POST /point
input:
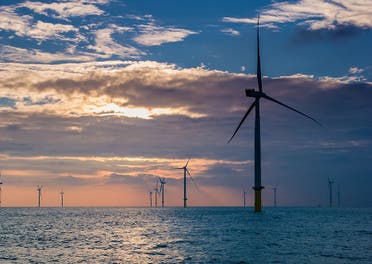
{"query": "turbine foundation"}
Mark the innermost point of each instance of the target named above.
(257, 199)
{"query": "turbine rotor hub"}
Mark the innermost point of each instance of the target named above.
(254, 93)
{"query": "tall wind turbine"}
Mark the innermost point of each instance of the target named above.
(162, 183)
(258, 95)
(39, 187)
(1, 183)
(338, 196)
(62, 194)
(330, 183)
(185, 171)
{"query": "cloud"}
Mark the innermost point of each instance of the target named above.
(23, 25)
(67, 41)
(355, 70)
(152, 35)
(65, 9)
(50, 132)
(107, 47)
(43, 30)
(338, 33)
(14, 54)
(230, 31)
(316, 15)
(124, 88)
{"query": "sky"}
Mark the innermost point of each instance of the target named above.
(102, 97)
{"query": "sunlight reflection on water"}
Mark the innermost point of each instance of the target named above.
(194, 235)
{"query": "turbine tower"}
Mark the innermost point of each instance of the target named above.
(244, 198)
(39, 187)
(185, 171)
(338, 196)
(62, 194)
(274, 189)
(162, 183)
(1, 183)
(150, 196)
(330, 183)
(258, 95)
(156, 189)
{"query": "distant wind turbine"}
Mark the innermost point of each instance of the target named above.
(162, 183)
(274, 189)
(338, 196)
(39, 187)
(150, 194)
(1, 183)
(330, 183)
(257, 95)
(156, 189)
(244, 198)
(185, 171)
(62, 196)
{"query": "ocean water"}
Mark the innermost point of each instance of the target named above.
(191, 235)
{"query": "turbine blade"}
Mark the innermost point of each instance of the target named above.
(259, 75)
(241, 122)
(187, 163)
(291, 108)
(192, 179)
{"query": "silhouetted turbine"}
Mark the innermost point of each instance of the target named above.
(257, 95)
(162, 182)
(330, 183)
(274, 189)
(150, 197)
(185, 171)
(62, 197)
(156, 189)
(39, 187)
(244, 198)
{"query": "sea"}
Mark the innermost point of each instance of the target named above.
(186, 235)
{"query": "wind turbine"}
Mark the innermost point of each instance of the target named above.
(150, 194)
(258, 95)
(162, 183)
(244, 198)
(185, 171)
(274, 189)
(156, 189)
(39, 187)
(330, 183)
(338, 196)
(1, 183)
(62, 194)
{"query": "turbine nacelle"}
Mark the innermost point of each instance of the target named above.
(254, 93)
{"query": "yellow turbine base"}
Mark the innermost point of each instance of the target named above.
(257, 201)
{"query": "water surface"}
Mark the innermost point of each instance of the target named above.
(191, 235)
